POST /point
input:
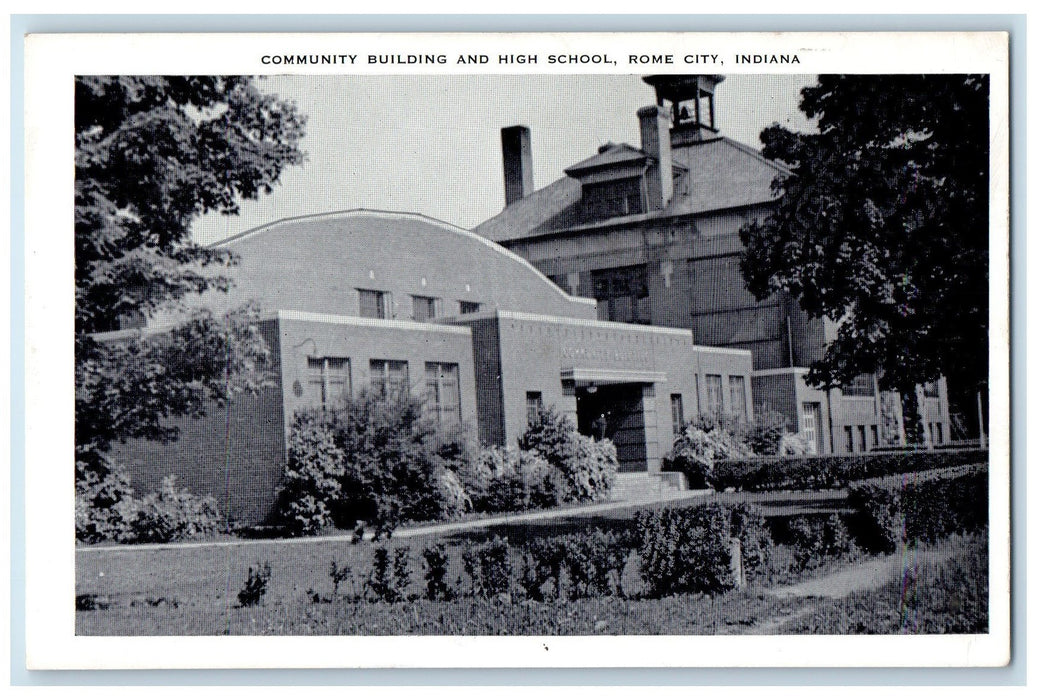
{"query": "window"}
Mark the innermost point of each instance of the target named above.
(875, 435)
(931, 390)
(443, 394)
(562, 282)
(848, 429)
(327, 378)
(736, 389)
(939, 433)
(603, 200)
(714, 395)
(862, 385)
(677, 411)
(534, 406)
(469, 307)
(375, 304)
(809, 425)
(862, 433)
(424, 308)
(622, 294)
(389, 377)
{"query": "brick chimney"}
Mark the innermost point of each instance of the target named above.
(655, 141)
(518, 163)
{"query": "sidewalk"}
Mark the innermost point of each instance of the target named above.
(425, 530)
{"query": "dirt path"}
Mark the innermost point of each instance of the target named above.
(865, 576)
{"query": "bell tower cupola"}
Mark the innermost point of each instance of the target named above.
(689, 101)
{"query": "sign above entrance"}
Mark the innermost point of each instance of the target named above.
(582, 375)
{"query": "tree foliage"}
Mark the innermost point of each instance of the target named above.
(883, 226)
(152, 154)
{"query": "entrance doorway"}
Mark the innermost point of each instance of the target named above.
(615, 412)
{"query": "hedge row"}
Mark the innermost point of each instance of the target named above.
(832, 471)
(887, 515)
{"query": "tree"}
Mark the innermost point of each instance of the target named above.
(152, 154)
(882, 226)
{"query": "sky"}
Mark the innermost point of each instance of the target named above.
(431, 144)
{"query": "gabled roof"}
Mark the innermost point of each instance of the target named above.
(721, 174)
(609, 155)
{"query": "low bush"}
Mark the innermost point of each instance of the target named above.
(754, 536)
(489, 568)
(923, 510)
(255, 585)
(436, 565)
(817, 540)
(698, 447)
(832, 471)
(503, 479)
(105, 506)
(765, 434)
(586, 468)
(685, 550)
(390, 575)
(173, 514)
(578, 565)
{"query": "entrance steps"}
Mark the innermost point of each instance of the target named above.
(647, 486)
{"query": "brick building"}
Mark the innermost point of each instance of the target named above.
(651, 232)
(363, 298)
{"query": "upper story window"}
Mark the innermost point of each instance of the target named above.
(604, 200)
(375, 304)
(424, 308)
(862, 385)
(328, 379)
(469, 307)
(622, 294)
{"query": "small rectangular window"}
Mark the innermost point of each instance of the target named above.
(862, 434)
(328, 381)
(534, 406)
(714, 395)
(389, 378)
(875, 435)
(375, 304)
(739, 402)
(939, 433)
(424, 308)
(862, 385)
(848, 430)
(677, 411)
(469, 307)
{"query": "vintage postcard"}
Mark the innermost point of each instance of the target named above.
(517, 350)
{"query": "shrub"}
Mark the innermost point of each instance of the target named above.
(685, 550)
(489, 568)
(173, 514)
(698, 447)
(436, 587)
(390, 574)
(376, 460)
(764, 435)
(312, 478)
(586, 468)
(339, 575)
(817, 540)
(255, 585)
(505, 479)
(795, 445)
(105, 507)
(832, 471)
(925, 510)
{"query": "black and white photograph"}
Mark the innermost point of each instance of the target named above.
(569, 342)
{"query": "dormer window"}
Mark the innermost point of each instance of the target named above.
(604, 200)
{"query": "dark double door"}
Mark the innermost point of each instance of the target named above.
(616, 412)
